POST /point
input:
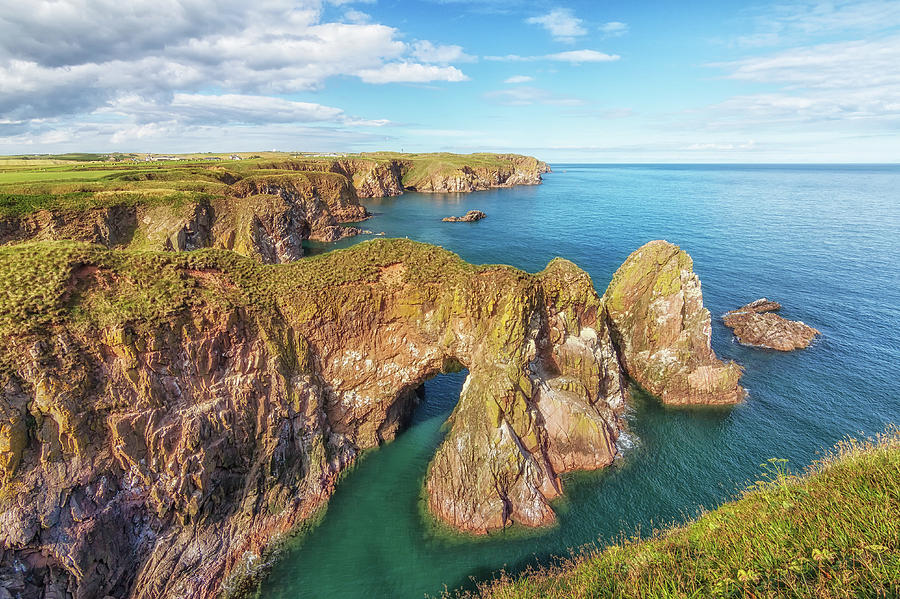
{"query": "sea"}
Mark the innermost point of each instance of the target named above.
(823, 240)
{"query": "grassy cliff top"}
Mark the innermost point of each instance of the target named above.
(47, 283)
(831, 532)
(76, 182)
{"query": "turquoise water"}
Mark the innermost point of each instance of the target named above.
(822, 240)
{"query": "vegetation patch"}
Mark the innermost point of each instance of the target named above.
(832, 531)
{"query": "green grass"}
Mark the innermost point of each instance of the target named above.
(832, 532)
(81, 182)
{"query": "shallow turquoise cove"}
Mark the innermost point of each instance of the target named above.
(822, 240)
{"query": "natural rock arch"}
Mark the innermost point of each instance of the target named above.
(166, 416)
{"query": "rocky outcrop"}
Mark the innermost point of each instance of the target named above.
(663, 332)
(470, 217)
(265, 216)
(391, 174)
(757, 324)
(166, 417)
(503, 170)
(265, 211)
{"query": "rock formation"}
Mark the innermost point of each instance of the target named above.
(167, 417)
(265, 211)
(470, 217)
(663, 332)
(757, 324)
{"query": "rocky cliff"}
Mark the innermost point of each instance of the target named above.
(165, 417)
(662, 330)
(389, 174)
(266, 215)
(260, 209)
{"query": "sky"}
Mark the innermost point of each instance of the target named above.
(580, 81)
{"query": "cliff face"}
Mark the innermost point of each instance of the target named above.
(164, 417)
(265, 215)
(264, 211)
(392, 174)
(663, 332)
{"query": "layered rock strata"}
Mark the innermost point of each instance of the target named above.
(165, 417)
(757, 324)
(663, 332)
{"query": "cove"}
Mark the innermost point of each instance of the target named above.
(822, 240)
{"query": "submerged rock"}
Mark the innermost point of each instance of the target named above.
(757, 324)
(663, 332)
(470, 217)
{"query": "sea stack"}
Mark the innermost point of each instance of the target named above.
(663, 332)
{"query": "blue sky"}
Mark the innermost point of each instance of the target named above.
(598, 81)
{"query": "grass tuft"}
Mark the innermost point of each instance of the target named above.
(830, 532)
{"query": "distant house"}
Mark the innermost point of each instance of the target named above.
(212, 158)
(236, 157)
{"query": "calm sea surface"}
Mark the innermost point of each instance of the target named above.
(822, 240)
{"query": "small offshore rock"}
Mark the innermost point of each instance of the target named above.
(470, 217)
(757, 324)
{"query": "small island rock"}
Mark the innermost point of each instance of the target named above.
(757, 324)
(470, 217)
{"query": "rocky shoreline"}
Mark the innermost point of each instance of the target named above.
(264, 211)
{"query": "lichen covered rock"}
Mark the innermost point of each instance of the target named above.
(757, 324)
(663, 332)
(166, 416)
(469, 217)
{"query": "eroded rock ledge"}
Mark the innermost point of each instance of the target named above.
(165, 417)
(757, 324)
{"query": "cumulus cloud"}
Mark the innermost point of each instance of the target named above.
(75, 58)
(561, 23)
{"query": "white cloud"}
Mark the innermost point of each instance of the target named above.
(411, 72)
(356, 16)
(579, 56)
(426, 51)
(614, 29)
(74, 59)
(526, 96)
(519, 79)
(801, 21)
(572, 56)
(562, 24)
(844, 81)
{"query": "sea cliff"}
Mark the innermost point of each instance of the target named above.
(260, 208)
(165, 417)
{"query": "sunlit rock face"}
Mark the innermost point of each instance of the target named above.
(165, 417)
(663, 332)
